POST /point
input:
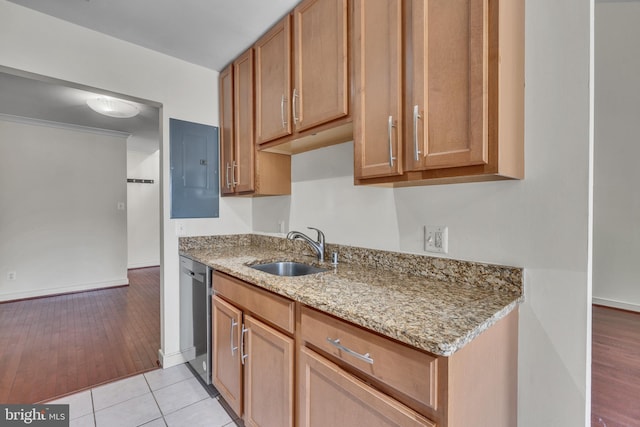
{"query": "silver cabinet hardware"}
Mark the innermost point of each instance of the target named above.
(416, 116)
(233, 173)
(390, 127)
(242, 353)
(227, 175)
(282, 112)
(295, 106)
(233, 325)
(364, 357)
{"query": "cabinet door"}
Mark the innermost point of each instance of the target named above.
(226, 130)
(243, 122)
(377, 52)
(268, 376)
(321, 88)
(447, 91)
(227, 366)
(273, 82)
(329, 396)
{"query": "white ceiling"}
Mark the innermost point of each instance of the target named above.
(209, 33)
(25, 97)
(204, 32)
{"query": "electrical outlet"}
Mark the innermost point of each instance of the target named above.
(436, 238)
(11, 275)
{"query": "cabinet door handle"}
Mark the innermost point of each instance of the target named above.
(227, 175)
(233, 173)
(390, 127)
(295, 106)
(282, 112)
(233, 348)
(364, 357)
(416, 116)
(242, 353)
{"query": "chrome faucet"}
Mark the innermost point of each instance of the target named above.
(318, 246)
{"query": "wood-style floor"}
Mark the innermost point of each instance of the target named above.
(615, 377)
(56, 345)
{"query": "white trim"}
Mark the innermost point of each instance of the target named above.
(616, 304)
(145, 264)
(59, 125)
(64, 290)
(173, 359)
(591, 171)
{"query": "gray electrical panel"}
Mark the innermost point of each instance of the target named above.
(195, 190)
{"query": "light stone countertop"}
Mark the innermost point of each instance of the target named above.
(431, 314)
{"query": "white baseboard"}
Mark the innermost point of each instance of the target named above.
(172, 359)
(144, 264)
(64, 290)
(616, 304)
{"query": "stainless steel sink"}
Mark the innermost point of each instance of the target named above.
(288, 268)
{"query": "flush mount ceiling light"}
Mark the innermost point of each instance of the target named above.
(113, 107)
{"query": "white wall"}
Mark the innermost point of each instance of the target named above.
(60, 229)
(143, 202)
(616, 240)
(541, 223)
(37, 43)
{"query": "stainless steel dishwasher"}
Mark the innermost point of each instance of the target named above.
(195, 316)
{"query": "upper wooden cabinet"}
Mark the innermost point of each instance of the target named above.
(237, 160)
(273, 83)
(243, 166)
(378, 59)
(321, 87)
(447, 83)
(462, 91)
(227, 140)
(303, 79)
(244, 170)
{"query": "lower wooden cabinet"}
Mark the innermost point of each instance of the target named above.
(227, 364)
(329, 396)
(268, 376)
(254, 362)
(282, 364)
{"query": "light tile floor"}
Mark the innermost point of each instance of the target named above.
(170, 397)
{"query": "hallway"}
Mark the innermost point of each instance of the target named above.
(56, 345)
(615, 389)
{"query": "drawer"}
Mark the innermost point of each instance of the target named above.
(273, 308)
(411, 372)
(329, 396)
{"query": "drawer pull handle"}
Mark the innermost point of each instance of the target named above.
(390, 127)
(233, 348)
(364, 357)
(227, 176)
(294, 107)
(282, 115)
(242, 353)
(416, 116)
(233, 173)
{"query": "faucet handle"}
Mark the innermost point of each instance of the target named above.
(320, 237)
